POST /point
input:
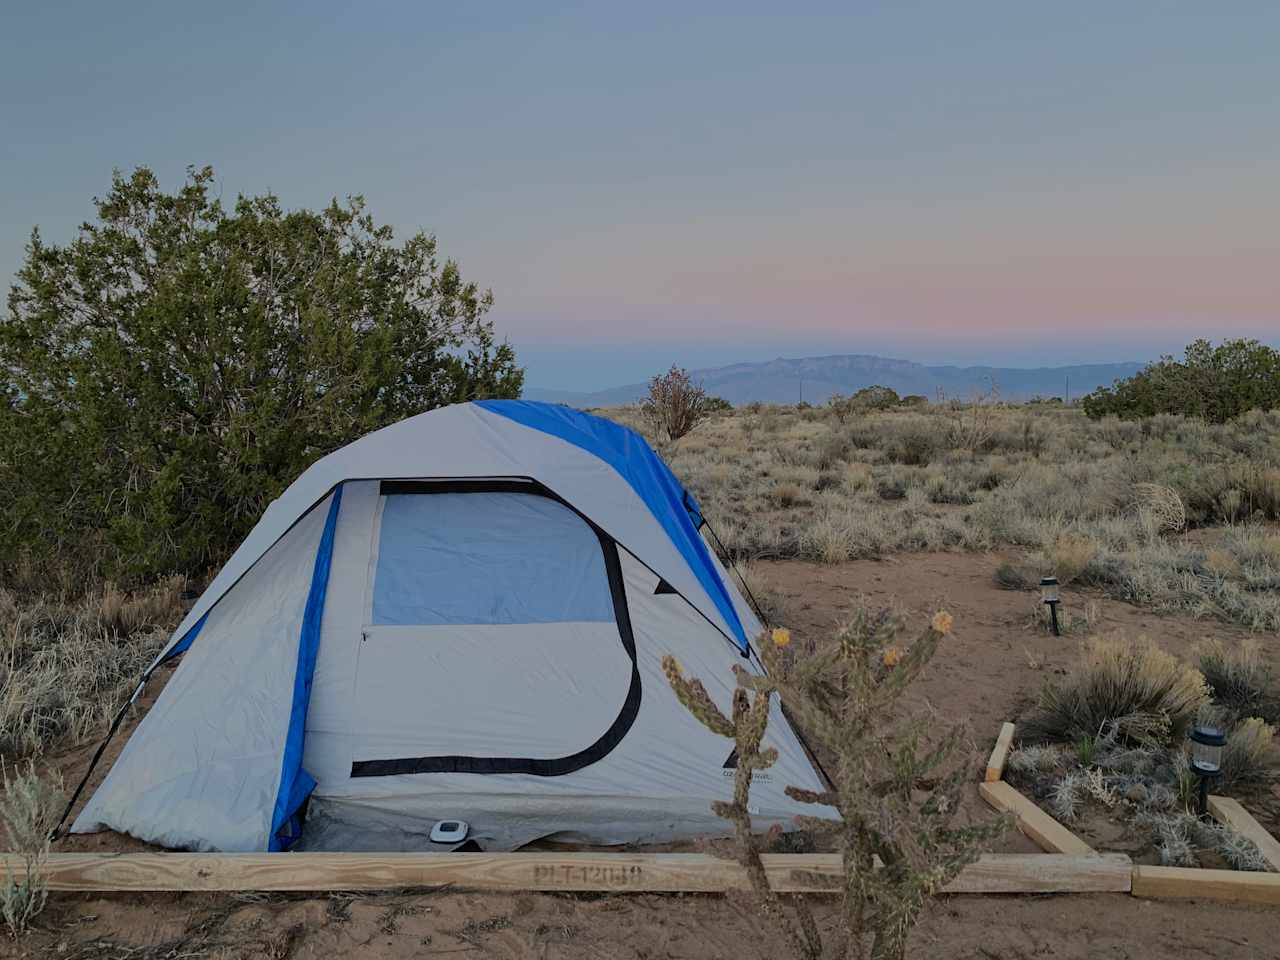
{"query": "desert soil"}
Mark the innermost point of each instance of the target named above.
(989, 671)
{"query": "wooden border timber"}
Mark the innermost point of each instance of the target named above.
(995, 766)
(1194, 883)
(1228, 811)
(598, 872)
(1047, 833)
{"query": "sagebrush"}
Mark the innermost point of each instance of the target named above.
(1146, 693)
(29, 808)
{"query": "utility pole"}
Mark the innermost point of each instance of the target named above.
(1068, 397)
(802, 390)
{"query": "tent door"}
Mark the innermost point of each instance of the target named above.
(498, 639)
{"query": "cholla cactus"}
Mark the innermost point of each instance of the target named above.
(896, 791)
(746, 729)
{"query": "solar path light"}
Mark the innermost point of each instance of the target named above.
(1049, 596)
(1207, 742)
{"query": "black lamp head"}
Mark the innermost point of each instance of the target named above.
(1207, 742)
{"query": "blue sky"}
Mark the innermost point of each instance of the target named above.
(642, 183)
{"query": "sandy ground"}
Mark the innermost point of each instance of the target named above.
(989, 671)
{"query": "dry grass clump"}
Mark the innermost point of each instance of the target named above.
(1147, 693)
(66, 666)
(1254, 548)
(1221, 563)
(1010, 576)
(832, 539)
(1071, 554)
(785, 494)
(1248, 757)
(29, 809)
(122, 614)
(1160, 508)
(1241, 680)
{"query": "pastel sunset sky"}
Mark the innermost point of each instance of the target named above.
(642, 183)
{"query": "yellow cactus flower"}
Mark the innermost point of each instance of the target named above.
(942, 622)
(891, 656)
(781, 636)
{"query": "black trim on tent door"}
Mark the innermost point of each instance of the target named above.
(394, 488)
(538, 767)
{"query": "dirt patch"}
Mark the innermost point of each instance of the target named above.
(643, 927)
(988, 670)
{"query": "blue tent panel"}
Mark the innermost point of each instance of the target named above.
(652, 480)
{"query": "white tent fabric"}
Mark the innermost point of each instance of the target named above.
(459, 616)
(202, 772)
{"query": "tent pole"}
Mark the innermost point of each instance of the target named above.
(733, 565)
(57, 831)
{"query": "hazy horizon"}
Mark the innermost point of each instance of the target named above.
(1009, 186)
(651, 361)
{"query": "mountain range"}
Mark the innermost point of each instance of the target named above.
(815, 379)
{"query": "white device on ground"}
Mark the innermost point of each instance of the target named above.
(449, 831)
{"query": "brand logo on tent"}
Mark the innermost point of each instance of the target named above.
(731, 765)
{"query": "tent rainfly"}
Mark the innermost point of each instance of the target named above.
(460, 616)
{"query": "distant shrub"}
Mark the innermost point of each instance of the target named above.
(841, 407)
(914, 400)
(1148, 693)
(875, 398)
(675, 404)
(915, 446)
(1216, 384)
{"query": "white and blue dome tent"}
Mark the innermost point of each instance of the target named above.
(459, 616)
